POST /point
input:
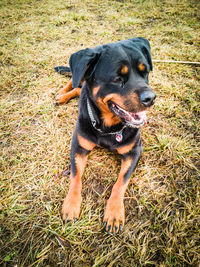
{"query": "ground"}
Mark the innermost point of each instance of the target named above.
(162, 202)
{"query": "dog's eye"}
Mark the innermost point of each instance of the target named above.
(118, 80)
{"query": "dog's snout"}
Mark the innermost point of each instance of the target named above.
(147, 98)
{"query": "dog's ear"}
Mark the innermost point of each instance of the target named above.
(80, 63)
(143, 45)
(146, 50)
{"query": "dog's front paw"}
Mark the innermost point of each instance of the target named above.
(114, 216)
(71, 207)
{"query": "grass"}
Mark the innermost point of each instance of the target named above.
(162, 202)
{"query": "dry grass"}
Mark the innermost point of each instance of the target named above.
(162, 202)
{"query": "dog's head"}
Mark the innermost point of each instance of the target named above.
(117, 75)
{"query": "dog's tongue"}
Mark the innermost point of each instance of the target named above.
(139, 117)
(133, 119)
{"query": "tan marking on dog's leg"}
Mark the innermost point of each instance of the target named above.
(85, 143)
(115, 212)
(67, 88)
(125, 149)
(64, 98)
(72, 202)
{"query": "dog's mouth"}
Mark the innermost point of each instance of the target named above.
(134, 120)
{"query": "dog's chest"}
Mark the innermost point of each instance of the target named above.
(108, 142)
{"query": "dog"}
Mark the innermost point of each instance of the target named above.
(112, 81)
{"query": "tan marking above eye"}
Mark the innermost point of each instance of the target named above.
(141, 67)
(124, 70)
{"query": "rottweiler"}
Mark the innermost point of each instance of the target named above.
(112, 81)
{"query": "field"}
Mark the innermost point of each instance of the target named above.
(162, 202)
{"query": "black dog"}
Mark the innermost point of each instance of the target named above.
(113, 100)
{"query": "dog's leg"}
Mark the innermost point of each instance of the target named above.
(81, 147)
(64, 98)
(115, 213)
(61, 95)
(66, 89)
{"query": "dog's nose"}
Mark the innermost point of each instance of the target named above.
(147, 98)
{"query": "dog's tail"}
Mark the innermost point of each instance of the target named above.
(64, 71)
